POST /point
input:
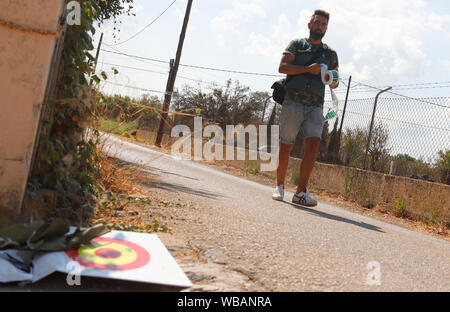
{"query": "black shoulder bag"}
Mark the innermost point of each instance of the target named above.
(279, 91)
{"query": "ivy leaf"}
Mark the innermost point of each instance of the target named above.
(104, 76)
(96, 79)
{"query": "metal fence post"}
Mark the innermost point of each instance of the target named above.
(371, 124)
(342, 120)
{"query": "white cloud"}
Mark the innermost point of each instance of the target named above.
(436, 22)
(269, 46)
(179, 14)
(384, 36)
(375, 40)
(447, 65)
(220, 39)
(230, 20)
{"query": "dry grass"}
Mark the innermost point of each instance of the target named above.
(387, 214)
(117, 179)
(124, 202)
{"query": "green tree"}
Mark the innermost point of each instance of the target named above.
(443, 166)
(378, 149)
(232, 105)
(112, 9)
(333, 144)
(354, 142)
(323, 149)
(408, 166)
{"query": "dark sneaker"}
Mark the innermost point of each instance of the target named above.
(304, 199)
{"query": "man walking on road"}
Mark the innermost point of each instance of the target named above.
(303, 104)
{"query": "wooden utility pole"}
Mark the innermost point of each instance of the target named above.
(264, 110)
(172, 76)
(96, 56)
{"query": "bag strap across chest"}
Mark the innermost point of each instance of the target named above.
(315, 56)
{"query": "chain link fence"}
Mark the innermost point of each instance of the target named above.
(407, 136)
(408, 133)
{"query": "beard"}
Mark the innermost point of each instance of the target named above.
(316, 35)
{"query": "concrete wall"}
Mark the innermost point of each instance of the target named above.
(420, 198)
(28, 32)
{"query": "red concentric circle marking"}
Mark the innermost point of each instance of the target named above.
(112, 254)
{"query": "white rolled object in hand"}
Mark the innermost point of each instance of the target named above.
(329, 77)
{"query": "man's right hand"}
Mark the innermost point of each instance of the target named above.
(315, 69)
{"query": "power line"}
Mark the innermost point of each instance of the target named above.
(268, 75)
(359, 84)
(143, 59)
(405, 96)
(212, 83)
(139, 69)
(397, 89)
(151, 23)
(133, 87)
(195, 66)
(166, 73)
(421, 88)
(422, 84)
(394, 120)
(232, 71)
(134, 56)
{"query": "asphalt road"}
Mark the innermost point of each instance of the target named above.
(290, 248)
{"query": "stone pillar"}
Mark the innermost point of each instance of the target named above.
(28, 33)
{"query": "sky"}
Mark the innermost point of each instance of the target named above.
(379, 43)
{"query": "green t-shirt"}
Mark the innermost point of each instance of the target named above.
(304, 50)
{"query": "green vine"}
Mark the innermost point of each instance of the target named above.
(67, 162)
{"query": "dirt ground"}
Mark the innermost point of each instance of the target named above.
(140, 207)
(145, 208)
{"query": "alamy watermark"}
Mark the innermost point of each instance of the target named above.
(214, 148)
(74, 276)
(74, 13)
(374, 275)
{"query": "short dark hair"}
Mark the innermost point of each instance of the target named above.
(321, 13)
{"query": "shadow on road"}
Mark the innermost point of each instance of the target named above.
(161, 171)
(336, 218)
(183, 189)
(149, 169)
(156, 172)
